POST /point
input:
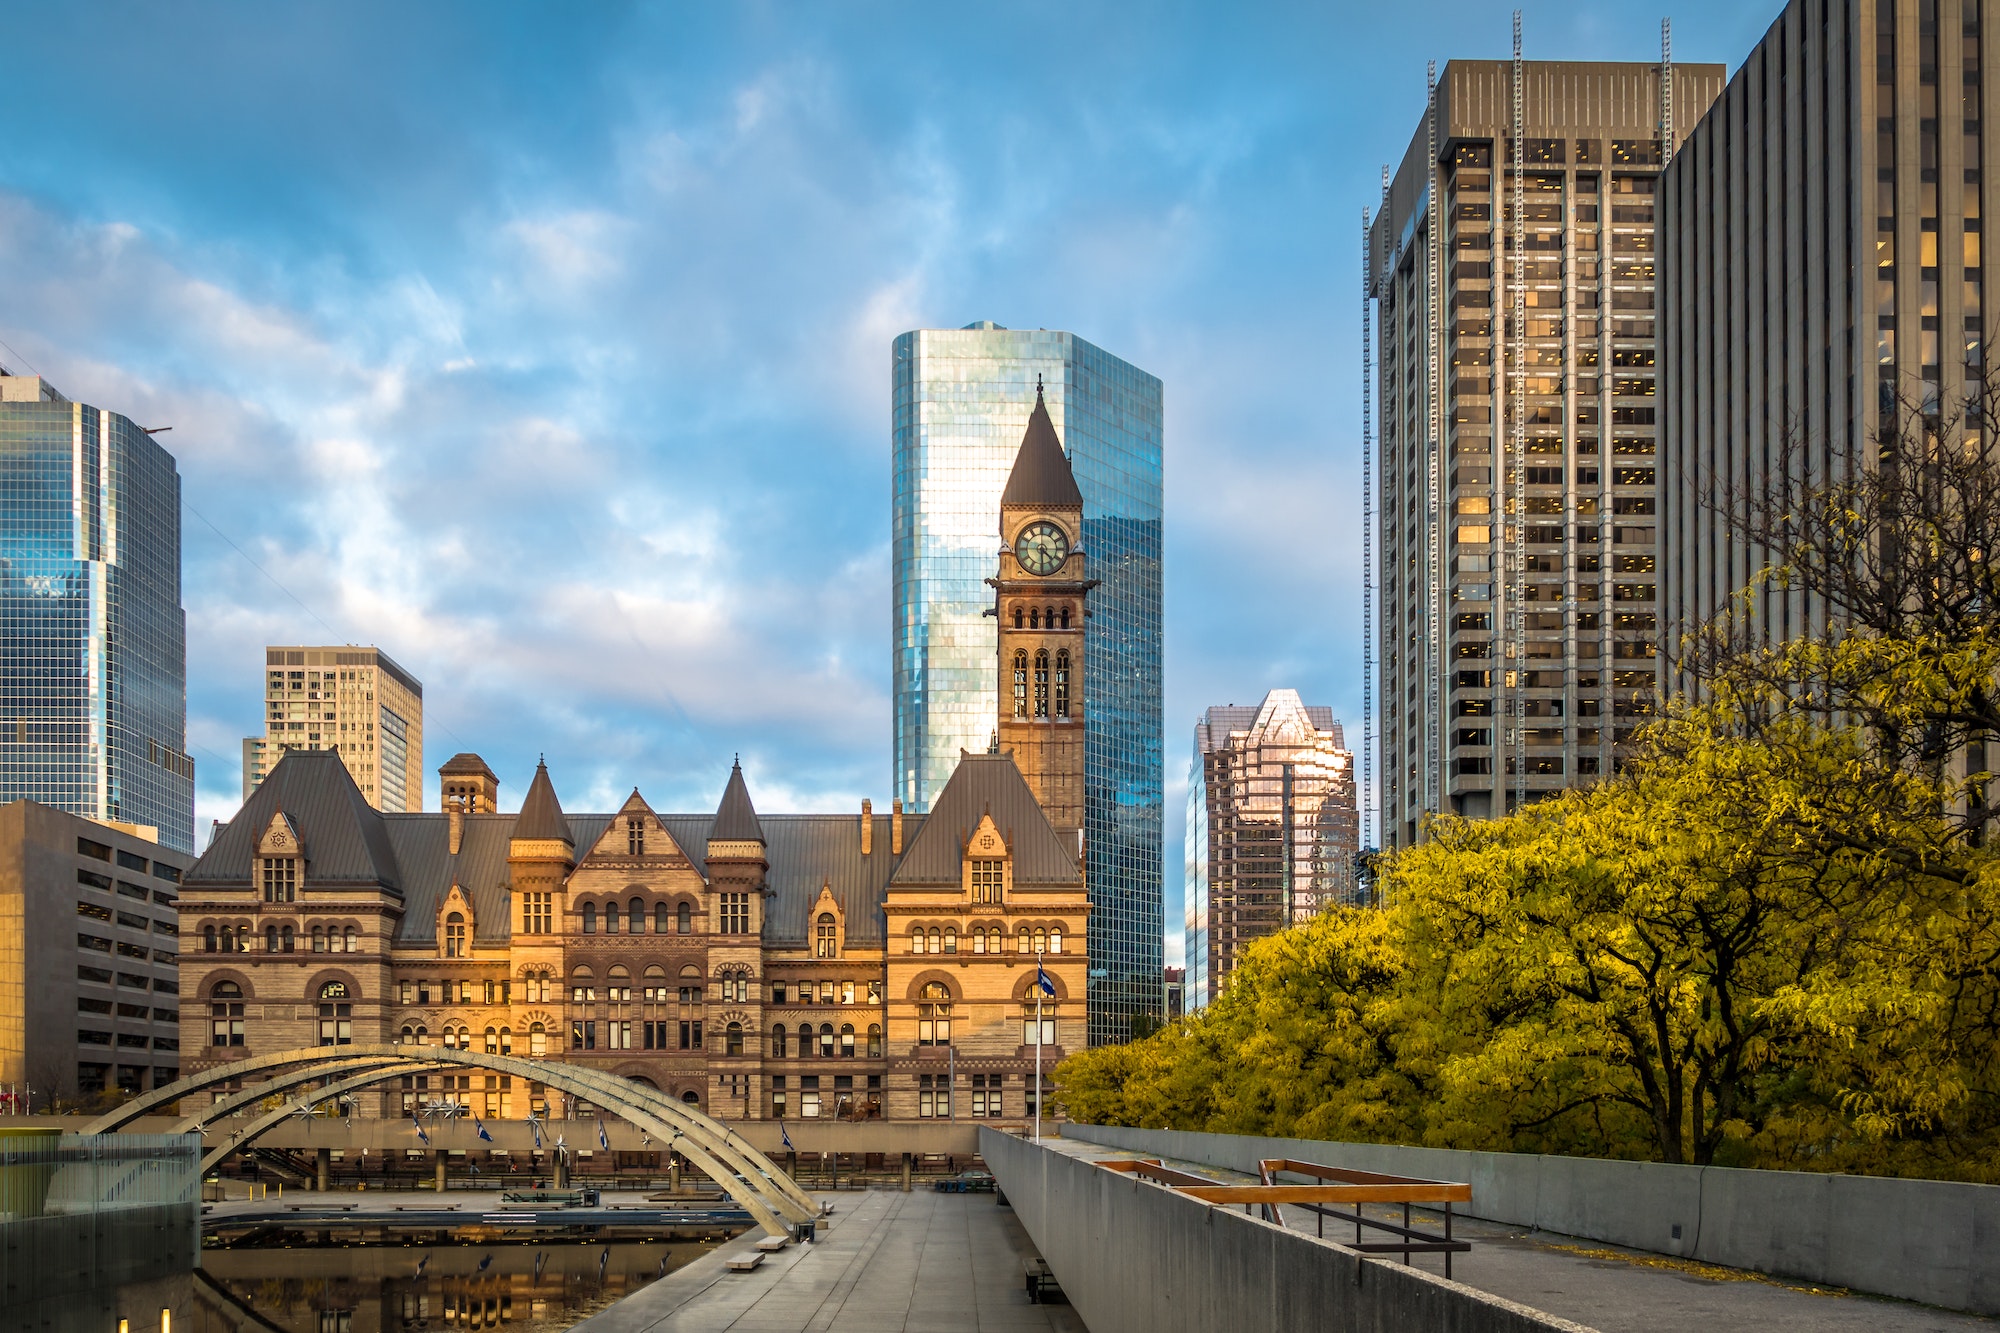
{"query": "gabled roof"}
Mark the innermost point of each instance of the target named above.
(423, 850)
(342, 835)
(736, 819)
(1041, 474)
(806, 852)
(987, 784)
(541, 818)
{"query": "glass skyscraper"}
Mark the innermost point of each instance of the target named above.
(93, 662)
(961, 404)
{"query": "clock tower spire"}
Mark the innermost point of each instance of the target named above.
(1039, 598)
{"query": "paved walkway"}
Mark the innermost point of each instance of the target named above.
(1616, 1290)
(889, 1262)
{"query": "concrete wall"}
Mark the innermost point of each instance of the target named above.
(1136, 1258)
(1922, 1240)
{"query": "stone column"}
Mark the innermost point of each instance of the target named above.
(440, 1170)
(325, 1156)
(674, 1172)
(906, 1173)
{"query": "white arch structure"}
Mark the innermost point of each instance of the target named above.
(747, 1175)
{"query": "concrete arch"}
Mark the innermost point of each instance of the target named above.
(274, 1087)
(744, 1172)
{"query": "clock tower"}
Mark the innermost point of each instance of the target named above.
(1039, 599)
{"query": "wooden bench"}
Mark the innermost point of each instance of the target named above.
(745, 1263)
(772, 1244)
(1043, 1289)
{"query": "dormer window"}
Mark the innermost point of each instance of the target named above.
(988, 879)
(823, 936)
(454, 935)
(281, 878)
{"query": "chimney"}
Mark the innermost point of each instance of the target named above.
(896, 828)
(455, 807)
(867, 826)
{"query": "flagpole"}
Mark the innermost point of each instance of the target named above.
(1038, 1051)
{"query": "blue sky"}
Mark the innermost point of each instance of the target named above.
(548, 347)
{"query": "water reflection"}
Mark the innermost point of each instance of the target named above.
(387, 1289)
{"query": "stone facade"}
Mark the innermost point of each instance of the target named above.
(793, 966)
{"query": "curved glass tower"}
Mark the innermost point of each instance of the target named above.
(961, 403)
(93, 659)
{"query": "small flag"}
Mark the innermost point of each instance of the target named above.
(1042, 980)
(420, 1127)
(482, 1129)
(602, 1141)
(785, 1134)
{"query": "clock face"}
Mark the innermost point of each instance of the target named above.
(1041, 548)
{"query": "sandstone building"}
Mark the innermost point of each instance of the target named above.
(756, 965)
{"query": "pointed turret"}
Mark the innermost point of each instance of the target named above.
(1041, 475)
(736, 817)
(541, 818)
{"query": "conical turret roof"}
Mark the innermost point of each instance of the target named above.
(541, 818)
(1041, 474)
(736, 818)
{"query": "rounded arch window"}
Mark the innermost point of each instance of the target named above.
(334, 990)
(1055, 939)
(951, 939)
(492, 1041)
(454, 935)
(319, 939)
(590, 918)
(1041, 682)
(1034, 617)
(934, 1014)
(538, 1040)
(350, 940)
(692, 1098)
(690, 970)
(874, 1041)
(611, 917)
(1062, 682)
(1017, 617)
(684, 919)
(506, 1041)
(778, 1042)
(826, 1041)
(208, 939)
(916, 939)
(1020, 682)
(655, 970)
(638, 916)
(618, 970)
(847, 1041)
(662, 919)
(937, 941)
(824, 936)
(732, 1039)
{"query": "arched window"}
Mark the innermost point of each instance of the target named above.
(732, 1039)
(318, 939)
(1041, 940)
(847, 1041)
(611, 918)
(691, 1097)
(823, 936)
(978, 941)
(874, 1041)
(408, 1036)
(1034, 618)
(492, 1041)
(1024, 939)
(1041, 682)
(454, 935)
(1020, 682)
(336, 1015)
(449, 1037)
(826, 1041)
(1065, 617)
(1062, 683)
(590, 918)
(638, 917)
(225, 1015)
(1047, 1031)
(778, 1042)
(916, 939)
(1055, 939)
(1017, 617)
(270, 939)
(934, 1015)
(684, 919)
(423, 1035)
(506, 1041)
(662, 919)
(1049, 617)
(208, 939)
(285, 938)
(538, 1040)
(350, 939)
(951, 939)
(937, 945)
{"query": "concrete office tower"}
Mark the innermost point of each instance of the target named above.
(1514, 346)
(962, 399)
(1273, 829)
(1821, 263)
(89, 957)
(93, 660)
(346, 698)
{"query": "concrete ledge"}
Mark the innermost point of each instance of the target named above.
(1920, 1240)
(1133, 1257)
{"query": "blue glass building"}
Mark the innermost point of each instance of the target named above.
(961, 404)
(93, 650)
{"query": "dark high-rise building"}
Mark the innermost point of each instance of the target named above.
(93, 652)
(1514, 343)
(1822, 270)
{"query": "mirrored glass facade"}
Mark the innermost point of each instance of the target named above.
(93, 654)
(961, 403)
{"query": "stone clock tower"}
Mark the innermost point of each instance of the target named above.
(1039, 599)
